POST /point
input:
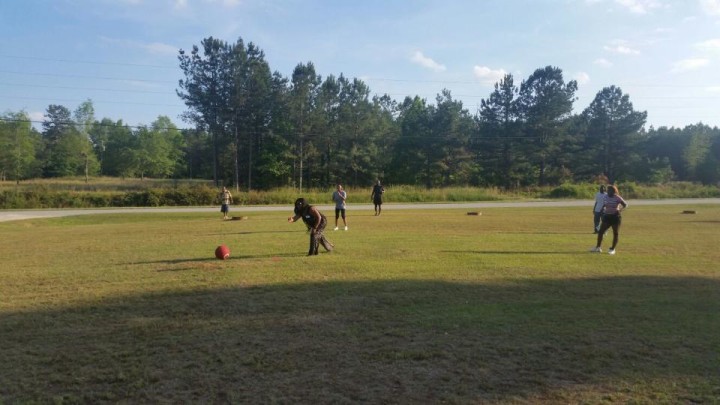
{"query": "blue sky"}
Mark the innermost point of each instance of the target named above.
(122, 54)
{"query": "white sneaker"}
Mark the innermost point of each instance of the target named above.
(346, 227)
(611, 251)
(336, 228)
(596, 250)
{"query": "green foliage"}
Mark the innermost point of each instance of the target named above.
(149, 193)
(570, 191)
(258, 130)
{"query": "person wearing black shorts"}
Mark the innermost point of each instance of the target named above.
(612, 206)
(339, 197)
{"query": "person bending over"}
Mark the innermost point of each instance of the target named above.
(316, 221)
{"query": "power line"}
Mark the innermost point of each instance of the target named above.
(86, 77)
(88, 62)
(95, 101)
(82, 88)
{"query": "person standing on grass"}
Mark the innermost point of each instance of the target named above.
(316, 221)
(226, 199)
(376, 197)
(597, 209)
(339, 197)
(612, 206)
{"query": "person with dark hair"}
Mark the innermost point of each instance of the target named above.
(376, 197)
(597, 209)
(612, 206)
(315, 221)
(339, 197)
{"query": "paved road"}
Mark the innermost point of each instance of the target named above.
(15, 215)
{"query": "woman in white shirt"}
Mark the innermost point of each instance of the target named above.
(597, 209)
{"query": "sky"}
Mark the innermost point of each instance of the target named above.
(122, 54)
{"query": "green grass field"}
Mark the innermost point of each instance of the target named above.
(417, 306)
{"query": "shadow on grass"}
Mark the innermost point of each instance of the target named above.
(230, 233)
(585, 340)
(515, 252)
(214, 259)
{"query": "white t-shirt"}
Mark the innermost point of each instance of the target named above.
(599, 201)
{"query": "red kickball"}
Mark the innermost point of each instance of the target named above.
(222, 252)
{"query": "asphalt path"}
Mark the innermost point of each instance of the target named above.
(17, 215)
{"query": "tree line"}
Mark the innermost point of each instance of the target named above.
(256, 129)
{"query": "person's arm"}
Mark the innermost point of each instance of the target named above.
(623, 203)
(293, 219)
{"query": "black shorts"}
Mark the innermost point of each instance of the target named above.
(612, 219)
(339, 211)
(224, 209)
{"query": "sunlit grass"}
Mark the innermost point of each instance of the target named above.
(412, 306)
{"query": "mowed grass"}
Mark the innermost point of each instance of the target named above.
(416, 306)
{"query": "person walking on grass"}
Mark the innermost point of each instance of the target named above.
(376, 197)
(339, 197)
(226, 199)
(612, 206)
(597, 209)
(314, 220)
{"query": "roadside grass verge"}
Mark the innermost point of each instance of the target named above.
(117, 192)
(413, 306)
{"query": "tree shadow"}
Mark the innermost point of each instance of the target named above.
(399, 341)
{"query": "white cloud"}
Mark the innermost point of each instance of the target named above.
(180, 4)
(159, 48)
(621, 49)
(710, 7)
(156, 48)
(603, 62)
(711, 45)
(36, 116)
(686, 65)
(487, 75)
(424, 61)
(639, 6)
(582, 78)
(713, 89)
(226, 3)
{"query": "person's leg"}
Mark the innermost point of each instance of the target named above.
(603, 227)
(596, 221)
(342, 212)
(337, 215)
(616, 235)
(313, 244)
(379, 209)
(326, 243)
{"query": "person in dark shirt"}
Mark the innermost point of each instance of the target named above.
(314, 220)
(376, 197)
